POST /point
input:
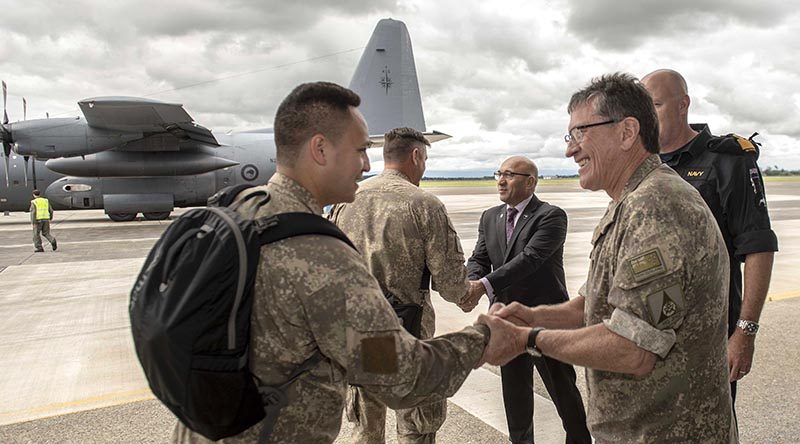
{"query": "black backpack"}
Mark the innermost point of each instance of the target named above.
(190, 314)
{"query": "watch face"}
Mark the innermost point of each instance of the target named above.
(749, 327)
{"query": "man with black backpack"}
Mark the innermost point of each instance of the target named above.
(315, 303)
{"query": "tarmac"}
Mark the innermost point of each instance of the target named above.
(71, 375)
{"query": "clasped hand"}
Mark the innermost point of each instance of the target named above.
(472, 297)
(509, 325)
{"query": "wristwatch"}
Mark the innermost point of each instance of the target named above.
(531, 347)
(749, 328)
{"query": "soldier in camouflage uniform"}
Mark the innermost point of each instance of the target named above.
(314, 293)
(400, 230)
(650, 322)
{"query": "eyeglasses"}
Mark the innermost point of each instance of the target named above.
(507, 175)
(576, 134)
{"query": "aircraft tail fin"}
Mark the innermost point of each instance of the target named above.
(386, 80)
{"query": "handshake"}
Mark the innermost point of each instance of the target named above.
(473, 295)
(510, 326)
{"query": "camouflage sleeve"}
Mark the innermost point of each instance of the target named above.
(397, 368)
(443, 253)
(647, 290)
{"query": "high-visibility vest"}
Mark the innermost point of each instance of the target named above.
(42, 208)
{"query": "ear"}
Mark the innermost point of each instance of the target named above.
(685, 102)
(630, 133)
(416, 156)
(533, 181)
(316, 147)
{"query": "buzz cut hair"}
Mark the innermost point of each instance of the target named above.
(617, 96)
(36, 193)
(400, 142)
(310, 109)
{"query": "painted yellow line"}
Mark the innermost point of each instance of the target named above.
(782, 296)
(120, 397)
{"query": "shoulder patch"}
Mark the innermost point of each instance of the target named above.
(379, 355)
(745, 144)
(734, 144)
(664, 304)
(647, 265)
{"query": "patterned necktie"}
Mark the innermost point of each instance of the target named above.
(512, 214)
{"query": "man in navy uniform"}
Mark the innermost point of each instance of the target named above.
(724, 171)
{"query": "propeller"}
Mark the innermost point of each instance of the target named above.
(25, 158)
(5, 135)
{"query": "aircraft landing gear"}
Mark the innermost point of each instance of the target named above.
(122, 217)
(162, 215)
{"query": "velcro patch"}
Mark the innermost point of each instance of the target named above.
(758, 187)
(664, 305)
(647, 265)
(379, 355)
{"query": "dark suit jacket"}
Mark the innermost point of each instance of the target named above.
(530, 269)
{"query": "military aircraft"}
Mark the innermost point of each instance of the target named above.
(132, 155)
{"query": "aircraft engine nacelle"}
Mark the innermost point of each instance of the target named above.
(65, 137)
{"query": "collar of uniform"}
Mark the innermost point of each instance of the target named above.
(650, 163)
(694, 147)
(395, 173)
(296, 191)
(700, 142)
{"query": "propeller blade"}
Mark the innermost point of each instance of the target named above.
(24, 109)
(5, 114)
(26, 170)
(47, 114)
(33, 169)
(5, 165)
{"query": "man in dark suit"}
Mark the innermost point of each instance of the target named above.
(519, 257)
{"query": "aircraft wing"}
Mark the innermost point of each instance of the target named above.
(133, 114)
(432, 137)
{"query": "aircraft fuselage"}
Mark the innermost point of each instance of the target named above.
(153, 187)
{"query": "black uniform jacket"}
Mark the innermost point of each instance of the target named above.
(530, 269)
(730, 182)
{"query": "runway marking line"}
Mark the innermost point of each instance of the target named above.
(136, 239)
(56, 409)
(784, 295)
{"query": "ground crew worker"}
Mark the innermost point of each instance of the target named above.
(649, 325)
(41, 214)
(407, 239)
(315, 294)
(725, 172)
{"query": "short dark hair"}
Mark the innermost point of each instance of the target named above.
(311, 108)
(400, 142)
(36, 193)
(620, 95)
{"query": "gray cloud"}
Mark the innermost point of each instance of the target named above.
(496, 77)
(625, 24)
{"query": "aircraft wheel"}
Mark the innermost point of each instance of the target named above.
(163, 215)
(122, 217)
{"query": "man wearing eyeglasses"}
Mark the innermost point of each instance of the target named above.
(649, 324)
(519, 257)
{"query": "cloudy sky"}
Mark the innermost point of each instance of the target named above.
(495, 75)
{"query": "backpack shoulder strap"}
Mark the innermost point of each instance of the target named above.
(281, 226)
(227, 195)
